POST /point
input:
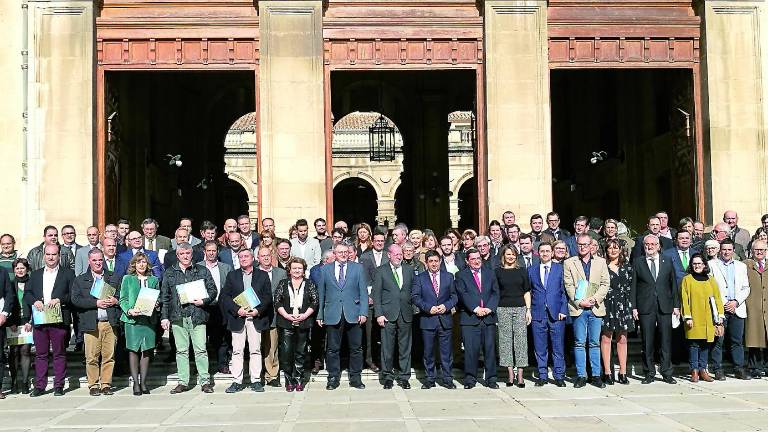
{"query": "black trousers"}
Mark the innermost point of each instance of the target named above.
(481, 336)
(396, 335)
(649, 324)
(316, 345)
(292, 350)
(334, 335)
(757, 359)
(219, 338)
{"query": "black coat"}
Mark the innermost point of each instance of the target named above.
(649, 296)
(85, 304)
(639, 250)
(8, 294)
(172, 309)
(389, 300)
(283, 299)
(33, 291)
(233, 287)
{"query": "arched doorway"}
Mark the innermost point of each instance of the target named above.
(354, 200)
(468, 205)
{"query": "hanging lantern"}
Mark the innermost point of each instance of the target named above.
(382, 140)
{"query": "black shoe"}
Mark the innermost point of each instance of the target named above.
(608, 379)
(387, 384)
(468, 386)
(560, 382)
(597, 382)
(449, 385)
(144, 390)
(274, 383)
(427, 385)
(492, 385)
(623, 379)
(669, 380)
(181, 388)
(541, 382)
(404, 384)
(756, 374)
(357, 384)
(580, 382)
(107, 391)
(720, 375)
(332, 384)
(648, 379)
(510, 384)
(742, 374)
(257, 387)
(24, 389)
(37, 392)
(234, 388)
(95, 391)
(58, 391)
(520, 384)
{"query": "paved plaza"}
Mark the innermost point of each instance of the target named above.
(731, 405)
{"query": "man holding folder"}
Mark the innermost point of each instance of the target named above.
(586, 280)
(186, 290)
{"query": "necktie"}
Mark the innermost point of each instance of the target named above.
(760, 266)
(341, 274)
(151, 244)
(397, 278)
(685, 260)
(653, 268)
(434, 283)
(546, 275)
(479, 287)
(111, 265)
(527, 262)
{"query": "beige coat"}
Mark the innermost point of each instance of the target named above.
(756, 328)
(573, 272)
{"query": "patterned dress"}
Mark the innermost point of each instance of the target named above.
(618, 308)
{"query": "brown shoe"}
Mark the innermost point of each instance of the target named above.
(181, 388)
(704, 375)
(107, 391)
(694, 376)
(207, 388)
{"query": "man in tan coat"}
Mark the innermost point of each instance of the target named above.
(756, 325)
(586, 280)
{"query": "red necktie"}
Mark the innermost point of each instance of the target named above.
(434, 284)
(479, 288)
(760, 266)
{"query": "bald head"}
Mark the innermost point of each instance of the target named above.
(395, 254)
(651, 245)
(731, 218)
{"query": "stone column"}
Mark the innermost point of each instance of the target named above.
(735, 107)
(517, 107)
(59, 188)
(291, 108)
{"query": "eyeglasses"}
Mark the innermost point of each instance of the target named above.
(759, 250)
(133, 238)
(68, 233)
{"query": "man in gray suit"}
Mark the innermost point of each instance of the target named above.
(393, 309)
(218, 336)
(81, 257)
(343, 289)
(152, 240)
(269, 344)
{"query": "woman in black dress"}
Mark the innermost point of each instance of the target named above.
(618, 318)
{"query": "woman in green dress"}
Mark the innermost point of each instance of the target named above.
(139, 328)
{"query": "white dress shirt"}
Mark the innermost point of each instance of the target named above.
(49, 278)
(215, 274)
(399, 272)
(541, 270)
(377, 255)
(655, 260)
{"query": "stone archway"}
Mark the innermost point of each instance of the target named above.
(351, 158)
(241, 161)
(461, 162)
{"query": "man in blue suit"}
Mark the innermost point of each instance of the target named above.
(343, 289)
(549, 308)
(680, 255)
(478, 293)
(434, 294)
(134, 240)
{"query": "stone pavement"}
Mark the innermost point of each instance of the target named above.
(731, 405)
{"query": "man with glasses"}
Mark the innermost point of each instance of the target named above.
(719, 233)
(134, 241)
(69, 237)
(50, 237)
(756, 325)
(731, 278)
(343, 290)
(553, 227)
(654, 227)
(152, 240)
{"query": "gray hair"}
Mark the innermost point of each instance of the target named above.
(408, 244)
(480, 239)
(183, 246)
(95, 251)
(148, 221)
(401, 227)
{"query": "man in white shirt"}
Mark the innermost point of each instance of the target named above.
(218, 336)
(250, 238)
(270, 344)
(305, 246)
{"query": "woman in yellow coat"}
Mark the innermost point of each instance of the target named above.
(700, 326)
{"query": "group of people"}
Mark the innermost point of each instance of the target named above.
(292, 302)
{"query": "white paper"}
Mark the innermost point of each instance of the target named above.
(675, 321)
(161, 255)
(190, 291)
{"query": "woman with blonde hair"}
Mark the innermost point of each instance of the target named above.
(268, 239)
(139, 328)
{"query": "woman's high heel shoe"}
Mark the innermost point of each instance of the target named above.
(623, 379)
(136, 390)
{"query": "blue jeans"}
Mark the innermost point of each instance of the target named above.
(586, 331)
(698, 354)
(734, 332)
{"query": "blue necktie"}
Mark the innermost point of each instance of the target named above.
(546, 275)
(341, 274)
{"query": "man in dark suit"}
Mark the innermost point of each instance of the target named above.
(47, 287)
(247, 325)
(218, 336)
(372, 259)
(553, 227)
(680, 255)
(68, 236)
(393, 310)
(99, 321)
(549, 308)
(527, 258)
(343, 290)
(656, 298)
(317, 334)
(269, 340)
(654, 226)
(134, 242)
(180, 236)
(434, 293)
(8, 304)
(478, 293)
(152, 240)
